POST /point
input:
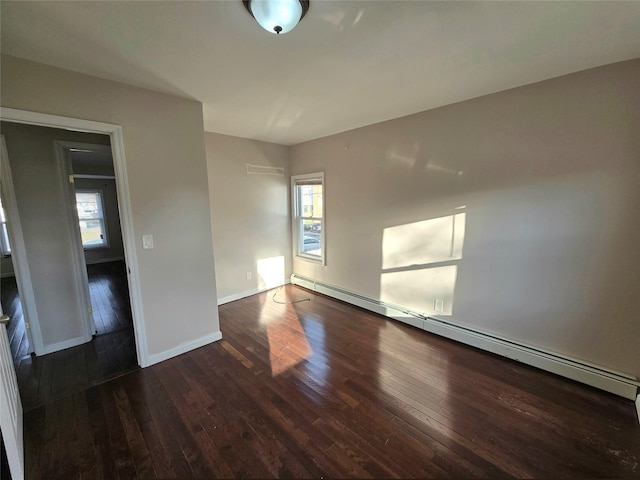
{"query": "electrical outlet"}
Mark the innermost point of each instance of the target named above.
(249, 275)
(147, 241)
(438, 305)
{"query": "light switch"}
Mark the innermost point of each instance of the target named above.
(147, 241)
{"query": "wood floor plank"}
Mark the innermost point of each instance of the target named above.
(44, 379)
(324, 389)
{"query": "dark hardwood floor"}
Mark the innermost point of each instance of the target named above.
(111, 353)
(110, 297)
(16, 332)
(323, 389)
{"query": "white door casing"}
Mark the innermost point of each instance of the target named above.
(10, 409)
(10, 404)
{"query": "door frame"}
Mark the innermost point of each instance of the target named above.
(65, 172)
(124, 203)
(11, 419)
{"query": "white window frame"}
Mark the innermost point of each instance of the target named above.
(103, 219)
(297, 218)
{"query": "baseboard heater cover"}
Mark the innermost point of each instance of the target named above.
(595, 376)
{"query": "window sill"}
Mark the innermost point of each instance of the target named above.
(310, 258)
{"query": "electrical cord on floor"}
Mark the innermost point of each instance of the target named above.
(308, 299)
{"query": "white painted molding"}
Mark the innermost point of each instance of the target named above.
(596, 376)
(184, 348)
(124, 203)
(248, 293)
(638, 407)
(72, 342)
(55, 121)
(86, 176)
(129, 243)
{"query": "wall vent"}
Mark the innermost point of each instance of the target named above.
(264, 170)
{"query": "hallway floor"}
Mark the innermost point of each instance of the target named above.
(111, 353)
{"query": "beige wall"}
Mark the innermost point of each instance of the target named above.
(250, 215)
(167, 173)
(518, 210)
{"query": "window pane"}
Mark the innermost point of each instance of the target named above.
(312, 237)
(89, 205)
(92, 232)
(91, 219)
(311, 200)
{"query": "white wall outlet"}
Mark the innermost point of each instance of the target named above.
(438, 305)
(147, 241)
(249, 275)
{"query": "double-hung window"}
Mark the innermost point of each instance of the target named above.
(91, 216)
(307, 193)
(5, 246)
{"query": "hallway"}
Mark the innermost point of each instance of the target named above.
(110, 354)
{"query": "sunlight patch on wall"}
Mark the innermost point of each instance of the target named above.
(428, 241)
(270, 272)
(420, 264)
(418, 290)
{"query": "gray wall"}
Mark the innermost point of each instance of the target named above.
(250, 215)
(39, 199)
(519, 210)
(167, 172)
(6, 267)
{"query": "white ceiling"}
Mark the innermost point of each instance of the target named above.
(348, 63)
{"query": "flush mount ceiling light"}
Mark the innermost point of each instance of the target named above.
(277, 16)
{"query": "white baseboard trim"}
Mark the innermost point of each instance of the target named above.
(105, 260)
(594, 375)
(55, 347)
(184, 348)
(248, 293)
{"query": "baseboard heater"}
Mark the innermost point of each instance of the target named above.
(593, 375)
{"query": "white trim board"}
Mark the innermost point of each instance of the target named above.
(593, 375)
(184, 348)
(248, 293)
(72, 342)
(638, 407)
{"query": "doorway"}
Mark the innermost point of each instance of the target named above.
(60, 368)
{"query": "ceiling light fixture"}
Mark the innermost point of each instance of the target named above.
(277, 16)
